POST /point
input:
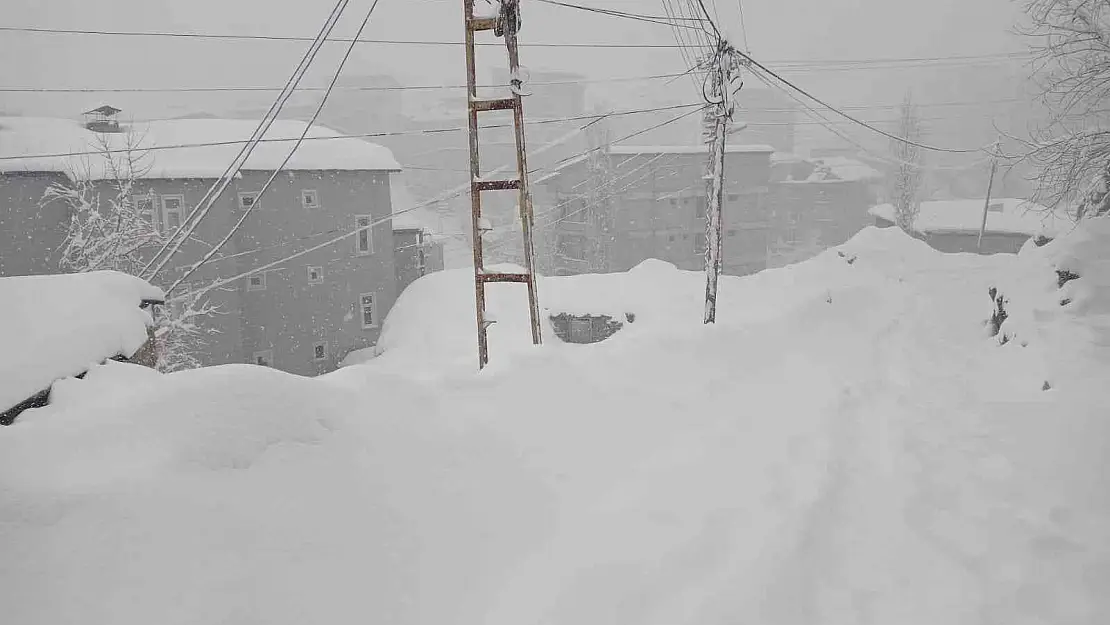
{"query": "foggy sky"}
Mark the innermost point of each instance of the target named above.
(777, 30)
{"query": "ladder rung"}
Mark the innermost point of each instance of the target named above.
(497, 185)
(481, 23)
(505, 277)
(499, 104)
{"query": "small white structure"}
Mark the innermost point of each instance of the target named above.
(953, 225)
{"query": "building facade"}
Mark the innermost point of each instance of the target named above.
(612, 213)
(300, 315)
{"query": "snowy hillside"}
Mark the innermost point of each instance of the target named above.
(848, 445)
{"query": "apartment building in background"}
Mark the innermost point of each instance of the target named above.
(302, 315)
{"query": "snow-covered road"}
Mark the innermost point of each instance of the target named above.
(847, 446)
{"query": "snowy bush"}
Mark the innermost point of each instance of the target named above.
(110, 230)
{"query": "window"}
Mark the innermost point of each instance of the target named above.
(699, 243)
(575, 211)
(995, 207)
(319, 351)
(571, 247)
(247, 200)
(581, 331)
(310, 199)
(699, 208)
(364, 242)
(257, 282)
(315, 275)
(171, 212)
(264, 358)
(144, 205)
(366, 306)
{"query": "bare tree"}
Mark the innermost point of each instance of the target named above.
(111, 226)
(1071, 39)
(908, 178)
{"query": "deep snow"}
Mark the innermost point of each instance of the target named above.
(847, 445)
(57, 326)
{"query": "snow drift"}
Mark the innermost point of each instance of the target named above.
(846, 445)
(57, 326)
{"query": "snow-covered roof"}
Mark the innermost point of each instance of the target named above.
(1016, 217)
(36, 144)
(687, 149)
(844, 168)
(56, 326)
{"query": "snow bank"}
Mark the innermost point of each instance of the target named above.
(1058, 296)
(57, 326)
(32, 136)
(1016, 217)
(243, 494)
(844, 446)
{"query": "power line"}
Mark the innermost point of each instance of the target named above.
(239, 37)
(743, 25)
(308, 126)
(370, 135)
(230, 37)
(188, 226)
(847, 116)
(651, 19)
(443, 197)
(543, 83)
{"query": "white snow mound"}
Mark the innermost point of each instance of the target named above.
(58, 325)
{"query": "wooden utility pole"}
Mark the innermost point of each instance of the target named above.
(987, 202)
(718, 116)
(505, 24)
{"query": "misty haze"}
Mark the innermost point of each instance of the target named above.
(567, 312)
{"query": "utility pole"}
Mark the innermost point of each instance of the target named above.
(723, 65)
(987, 202)
(505, 24)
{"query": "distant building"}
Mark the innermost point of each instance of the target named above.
(640, 202)
(953, 225)
(818, 203)
(612, 209)
(301, 316)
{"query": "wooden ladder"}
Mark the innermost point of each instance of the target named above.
(507, 24)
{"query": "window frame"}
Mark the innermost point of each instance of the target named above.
(563, 241)
(165, 212)
(262, 286)
(580, 330)
(268, 356)
(246, 194)
(315, 194)
(320, 277)
(324, 345)
(155, 220)
(373, 310)
(700, 240)
(369, 219)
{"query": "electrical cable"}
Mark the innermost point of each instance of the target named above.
(273, 176)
